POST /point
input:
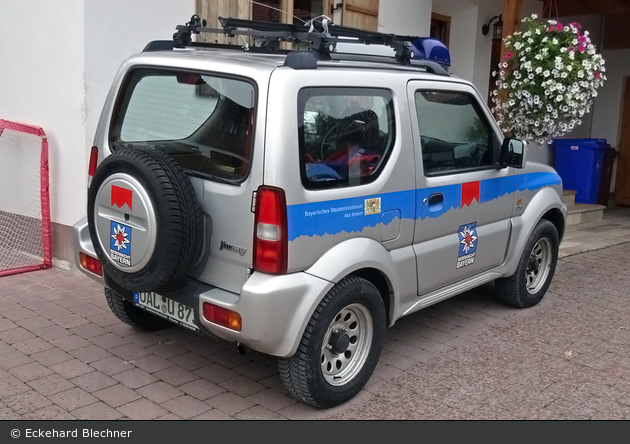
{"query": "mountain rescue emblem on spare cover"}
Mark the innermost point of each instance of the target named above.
(120, 244)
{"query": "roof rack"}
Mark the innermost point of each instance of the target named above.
(315, 40)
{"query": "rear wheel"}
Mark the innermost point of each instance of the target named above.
(535, 270)
(132, 315)
(340, 346)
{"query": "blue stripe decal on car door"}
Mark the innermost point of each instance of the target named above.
(349, 215)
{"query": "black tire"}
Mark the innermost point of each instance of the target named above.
(178, 236)
(527, 286)
(132, 315)
(309, 372)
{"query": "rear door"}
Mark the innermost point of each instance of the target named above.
(207, 123)
(463, 202)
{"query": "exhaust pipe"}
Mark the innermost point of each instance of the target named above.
(241, 349)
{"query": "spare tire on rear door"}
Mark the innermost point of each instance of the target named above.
(144, 218)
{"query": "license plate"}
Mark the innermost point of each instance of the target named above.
(167, 308)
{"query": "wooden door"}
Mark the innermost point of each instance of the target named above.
(362, 14)
(622, 186)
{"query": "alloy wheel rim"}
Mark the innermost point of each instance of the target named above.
(346, 345)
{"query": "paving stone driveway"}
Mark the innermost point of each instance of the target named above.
(63, 355)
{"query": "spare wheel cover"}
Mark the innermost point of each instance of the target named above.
(125, 222)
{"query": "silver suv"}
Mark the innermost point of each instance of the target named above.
(298, 202)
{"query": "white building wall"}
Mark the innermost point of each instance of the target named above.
(42, 83)
(463, 37)
(56, 75)
(116, 29)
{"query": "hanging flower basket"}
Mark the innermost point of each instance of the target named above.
(547, 81)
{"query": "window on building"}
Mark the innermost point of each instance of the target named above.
(440, 27)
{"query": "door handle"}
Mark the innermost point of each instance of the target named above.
(436, 198)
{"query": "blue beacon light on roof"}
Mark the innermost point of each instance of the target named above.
(427, 48)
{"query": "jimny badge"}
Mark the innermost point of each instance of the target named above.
(467, 245)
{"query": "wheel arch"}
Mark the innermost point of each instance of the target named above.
(382, 284)
(556, 217)
(546, 204)
(370, 260)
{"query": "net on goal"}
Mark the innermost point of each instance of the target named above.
(25, 243)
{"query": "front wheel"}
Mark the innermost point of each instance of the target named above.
(340, 346)
(535, 270)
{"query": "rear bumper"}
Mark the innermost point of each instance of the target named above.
(274, 309)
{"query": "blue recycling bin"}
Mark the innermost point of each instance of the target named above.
(579, 163)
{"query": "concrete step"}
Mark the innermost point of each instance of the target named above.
(584, 213)
(568, 197)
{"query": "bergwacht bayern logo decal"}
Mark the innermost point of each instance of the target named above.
(467, 245)
(120, 244)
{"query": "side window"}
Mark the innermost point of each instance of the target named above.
(454, 133)
(346, 135)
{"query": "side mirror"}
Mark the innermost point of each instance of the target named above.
(513, 153)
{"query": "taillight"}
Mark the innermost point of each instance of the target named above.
(91, 264)
(93, 161)
(270, 231)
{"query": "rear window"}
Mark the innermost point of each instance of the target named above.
(346, 135)
(205, 122)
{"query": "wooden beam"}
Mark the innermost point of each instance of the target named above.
(286, 16)
(512, 16)
(287, 11)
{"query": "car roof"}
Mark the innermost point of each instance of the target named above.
(265, 63)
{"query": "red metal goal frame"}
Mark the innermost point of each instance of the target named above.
(44, 193)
